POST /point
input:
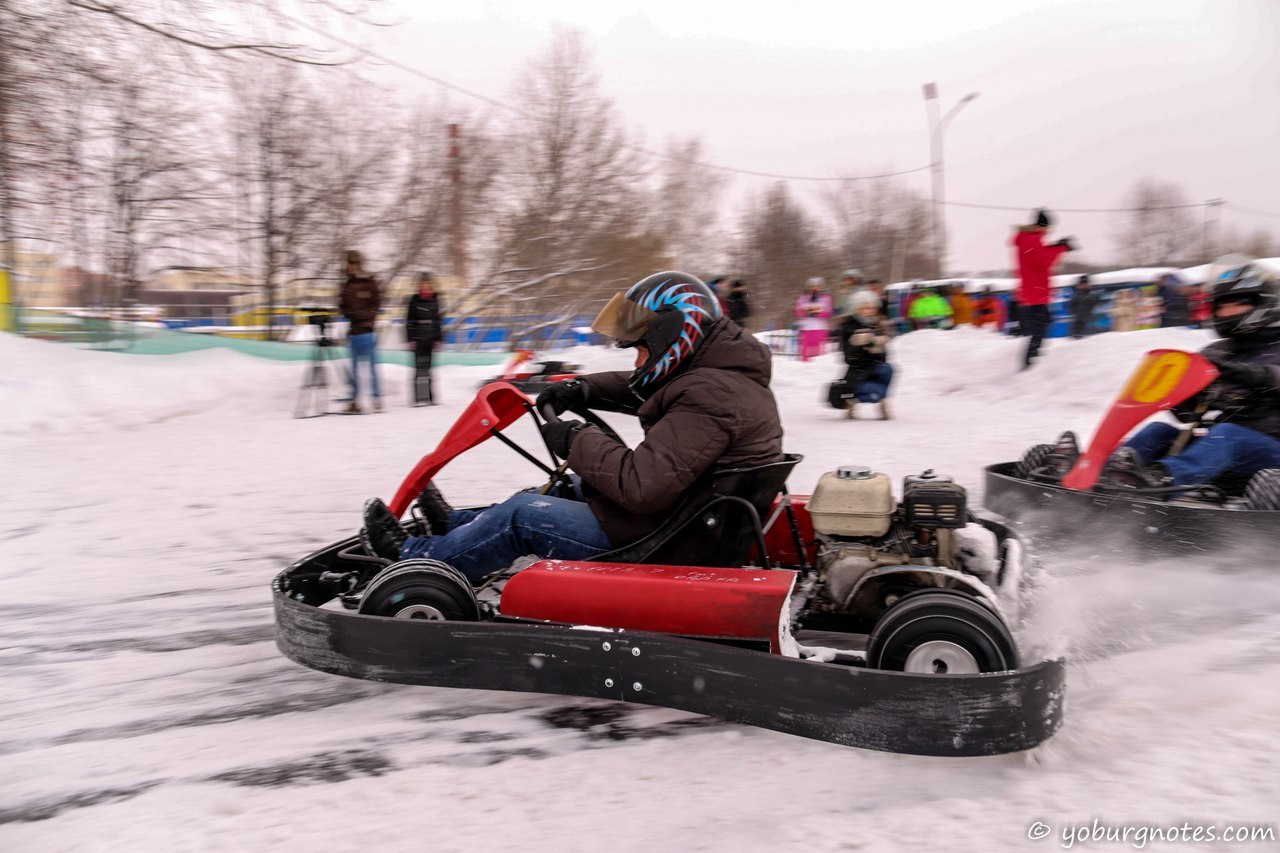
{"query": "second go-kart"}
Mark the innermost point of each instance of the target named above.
(1057, 504)
(845, 615)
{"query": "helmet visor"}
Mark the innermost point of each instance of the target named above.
(623, 320)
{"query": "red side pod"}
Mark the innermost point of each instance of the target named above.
(686, 600)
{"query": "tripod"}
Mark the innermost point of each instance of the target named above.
(315, 380)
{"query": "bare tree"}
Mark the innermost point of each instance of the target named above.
(881, 228)
(686, 208)
(1158, 226)
(779, 247)
(573, 222)
(44, 43)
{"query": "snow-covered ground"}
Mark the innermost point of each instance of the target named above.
(146, 503)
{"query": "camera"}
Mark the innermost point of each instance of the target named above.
(318, 315)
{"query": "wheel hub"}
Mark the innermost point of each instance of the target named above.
(420, 611)
(941, 657)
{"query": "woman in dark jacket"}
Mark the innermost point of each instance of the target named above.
(422, 329)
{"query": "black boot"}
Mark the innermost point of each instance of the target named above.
(1126, 469)
(435, 509)
(1062, 458)
(382, 536)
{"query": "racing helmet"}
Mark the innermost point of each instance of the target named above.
(670, 313)
(1251, 283)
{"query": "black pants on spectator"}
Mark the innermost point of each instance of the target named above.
(1035, 322)
(422, 391)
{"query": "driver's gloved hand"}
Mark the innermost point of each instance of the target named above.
(570, 395)
(1242, 373)
(559, 435)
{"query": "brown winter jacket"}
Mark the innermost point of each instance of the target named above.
(359, 302)
(718, 411)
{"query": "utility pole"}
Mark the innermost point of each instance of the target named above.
(458, 236)
(938, 127)
(1212, 212)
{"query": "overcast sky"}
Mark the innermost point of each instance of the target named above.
(1077, 98)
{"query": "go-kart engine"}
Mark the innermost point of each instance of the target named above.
(861, 529)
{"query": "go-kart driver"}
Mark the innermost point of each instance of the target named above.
(1245, 436)
(701, 391)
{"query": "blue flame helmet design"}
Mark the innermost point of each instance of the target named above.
(669, 313)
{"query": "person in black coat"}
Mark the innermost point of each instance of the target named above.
(423, 325)
(738, 304)
(1084, 299)
(1177, 308)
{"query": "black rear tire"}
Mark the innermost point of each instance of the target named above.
(1032, 460)
(1263, 491)
(937, 631)
(421, 589)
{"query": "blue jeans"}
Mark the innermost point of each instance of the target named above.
(480, 542)
(363, 348)
(875, 387)
(1224, 448)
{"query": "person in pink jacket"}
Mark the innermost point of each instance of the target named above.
(813, 311)
(1035, 263)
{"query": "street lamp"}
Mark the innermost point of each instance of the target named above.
(935, 157)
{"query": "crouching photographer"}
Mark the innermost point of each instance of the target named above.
(864, 343)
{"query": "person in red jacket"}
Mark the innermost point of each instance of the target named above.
(1035, 263)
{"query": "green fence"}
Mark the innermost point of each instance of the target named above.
(144, 339)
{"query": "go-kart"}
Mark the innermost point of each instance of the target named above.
(1054, 506)
(530, 375)
(844, 616)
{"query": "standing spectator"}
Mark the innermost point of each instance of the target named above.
(930, 311)
(1084, 299)
(961, 306)
(360, 300)
(739, 303)
(813, 311)
(1199, 310)
(877, 289)
(989, 310)
(423, 327)
(854, 292)
(714, 284)
(1177, 312)
(1150, 307)
(1035, 263)
(1124, 311)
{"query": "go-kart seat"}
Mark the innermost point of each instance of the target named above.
(716, 523)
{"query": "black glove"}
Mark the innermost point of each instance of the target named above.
(570, 395)
(1242, 372)
(1068, 243)
(1193, 409)
(559, 435)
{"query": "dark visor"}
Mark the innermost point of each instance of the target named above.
(623, 320)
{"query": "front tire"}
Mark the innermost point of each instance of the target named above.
(421, 589)
(941, 631)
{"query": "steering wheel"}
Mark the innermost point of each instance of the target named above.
(550, 416)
